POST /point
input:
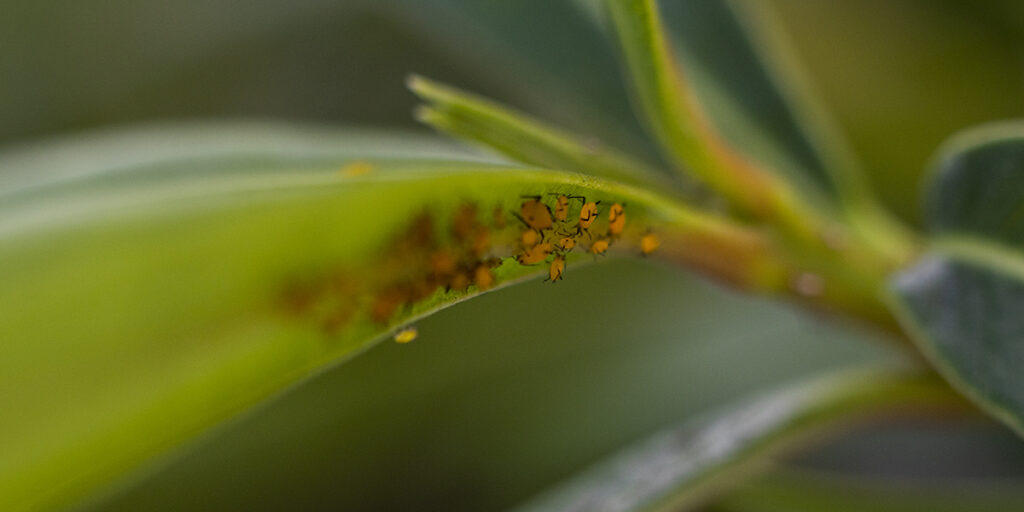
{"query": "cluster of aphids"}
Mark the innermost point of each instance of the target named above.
(412, 267)
(553, 231)
(423, 264)
(422, 260)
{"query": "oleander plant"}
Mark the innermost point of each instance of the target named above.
(673, 276)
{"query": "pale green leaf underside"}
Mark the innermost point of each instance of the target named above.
(681, 467)
(962, 301)
(142, 305)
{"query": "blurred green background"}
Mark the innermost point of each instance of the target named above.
(504, 395)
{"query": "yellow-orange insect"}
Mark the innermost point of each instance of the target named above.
(458, 282)
(599, 246)
(535, 254)
(535, 214)
(464, 223)
(530, 238)
(483, 277)
(562, 208)
(557, 269)
(406, 335)
(616, 220)
(588, 214)
(649, 243)
(566, 243)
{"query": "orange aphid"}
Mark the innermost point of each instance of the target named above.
(649, 243)
(588, 214)
(385, 305)
(530, 238)
(464, 223)
(483, 278)
(562, 208)
(567, 243)
(616, 219)
(419, 235)
(481, 242)
(459, 282)
(535, 254)
(536, 214)
(599, 246)
(557, 269)
(443, 263)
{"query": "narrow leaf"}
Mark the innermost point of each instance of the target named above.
(962, 301)
(526, 140)
(668, 101)
(681, 467)
(745, 70)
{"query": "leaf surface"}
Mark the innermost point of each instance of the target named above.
(680, 468)
(962, 300)
(146, 300)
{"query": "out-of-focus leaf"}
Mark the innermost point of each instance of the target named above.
(66, 66)
(665, 101)
(143, 302)
(541, 56)
(526, 140)
(900, 77)
(666, 98)
(805, 491)
(746, 52)
(466, 417)
(735, 111)
(962, 301)
(748, 97)
(679, 468)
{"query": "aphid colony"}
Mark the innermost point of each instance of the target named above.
(413, 267)
(423, 263)
(554, 230)
(450, 253)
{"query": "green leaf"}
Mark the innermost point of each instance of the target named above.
(507, 47)
(663, 98)
(667, 100)
(526, 140)
(681, 467)
(747, 93)
(944, 70)
(962, 300)
(733, 109)
(148, 297)
(747, 71)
